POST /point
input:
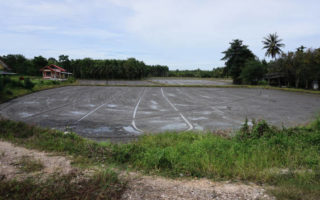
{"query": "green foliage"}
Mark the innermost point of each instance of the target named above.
(219, 72)
(259, 129)
(299, 68)
(28, 84)
(258, 153)
(253, 72)
(50, 140)
(236, 56)
(87, 68)
(191, 73)
(263, 82)
(273, 45)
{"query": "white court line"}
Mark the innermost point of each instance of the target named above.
(181, 115)
(89, 113)
(133, 123)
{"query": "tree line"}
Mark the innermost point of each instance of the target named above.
(86, 68)
(298, 68)
(198, 73)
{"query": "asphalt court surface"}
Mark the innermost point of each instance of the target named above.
(119, 113)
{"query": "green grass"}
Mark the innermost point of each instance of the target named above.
(16, 87)
(288, 159)
(103, 185)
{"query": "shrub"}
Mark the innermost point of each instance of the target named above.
(9, 92)
(28, 84)
(263, 82)
(71, 79)
(253, 72)
(259, 129)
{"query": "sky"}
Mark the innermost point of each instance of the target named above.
(182, 34)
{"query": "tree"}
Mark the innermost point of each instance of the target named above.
(301, 48)
(273, 45)
(236, 56)
(38, 62)
(52, 60)
(253, 72)
(64, 62)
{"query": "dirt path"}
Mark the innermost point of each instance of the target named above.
(147, 187)
(139, 187)
(11, 160)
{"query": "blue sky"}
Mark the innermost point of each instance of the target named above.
(183, 34)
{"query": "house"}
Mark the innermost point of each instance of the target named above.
(4, 69)
(54, 72)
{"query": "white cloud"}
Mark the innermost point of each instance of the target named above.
(176, 32)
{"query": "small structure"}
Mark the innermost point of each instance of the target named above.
(276, 78)
(54, 72)
(4, 69)
(315, 85)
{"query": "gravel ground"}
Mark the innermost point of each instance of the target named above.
(150, 188)
(11, 155)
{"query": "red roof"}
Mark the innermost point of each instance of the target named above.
(53, 68)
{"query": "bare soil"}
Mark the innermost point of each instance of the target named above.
(11, 155)
(154, 187)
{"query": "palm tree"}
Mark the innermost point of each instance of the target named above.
(273, 45)
(301, 48)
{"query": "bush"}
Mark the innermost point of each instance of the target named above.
(9, 92)
(55, 82)
(253, 72)
(15, 83)
(28, 84)
(263, 82)
(259, 129)
(71, 79)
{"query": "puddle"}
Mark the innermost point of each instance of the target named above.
(91, 105)
(77, 113)
(130, 130)
(154, 107)
(171, 95)
(198, 118)
(154, 102)
(176, 127)
(197, 127)
(25, 114)
(31, 102)
(112, 105)
(204, 113)
(102, 129)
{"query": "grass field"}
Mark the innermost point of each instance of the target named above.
(14, 87)
(286, 159)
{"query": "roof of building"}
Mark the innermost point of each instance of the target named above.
(6, 73)
(53, 68)
(4, 66)
(4, 69)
